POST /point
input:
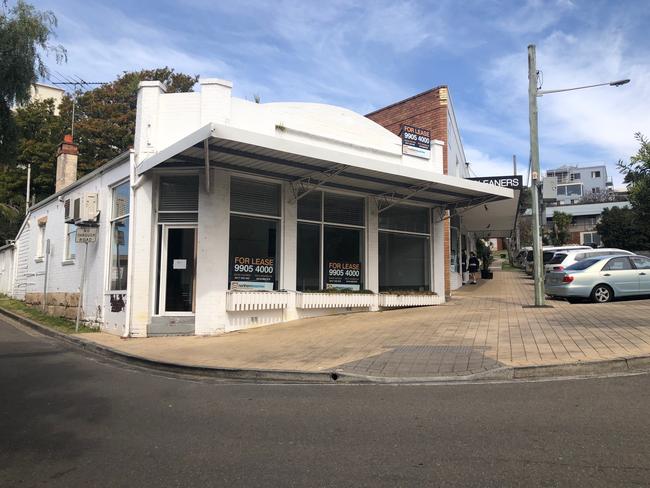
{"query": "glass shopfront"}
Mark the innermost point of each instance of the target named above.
(404, 249)
(331, 231)
(254, 234)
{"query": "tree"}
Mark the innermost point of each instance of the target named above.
(637, 177)
(559, 234)
(25, 33)
(105, 117)
(619, 227)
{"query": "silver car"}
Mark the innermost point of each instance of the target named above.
(601, 279)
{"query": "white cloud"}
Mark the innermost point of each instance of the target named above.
(484, 164)
(598, 121)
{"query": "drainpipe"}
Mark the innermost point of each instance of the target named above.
(136, 182)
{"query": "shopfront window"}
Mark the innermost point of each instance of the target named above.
(254, 234)
(120, 237)
(404, 249)
(330, 242)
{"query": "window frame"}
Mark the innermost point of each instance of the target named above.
(112, 221)
(277, 218)
(67, 236)
(322, 223)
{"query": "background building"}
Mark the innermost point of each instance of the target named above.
(575, 182)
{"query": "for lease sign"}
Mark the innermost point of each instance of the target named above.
(252, 273)
(416, 141)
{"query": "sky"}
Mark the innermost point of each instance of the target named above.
(364, 55)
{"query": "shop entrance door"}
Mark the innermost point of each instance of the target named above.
(178, 270)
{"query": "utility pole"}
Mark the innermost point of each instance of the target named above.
(29, 184)
(535, 179)
(517, 237)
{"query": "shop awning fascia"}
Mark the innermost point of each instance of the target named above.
(460, 191)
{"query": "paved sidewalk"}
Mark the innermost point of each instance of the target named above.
(483, 327)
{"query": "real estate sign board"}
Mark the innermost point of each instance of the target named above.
(343, 275)
(252, 273)
(416, 141)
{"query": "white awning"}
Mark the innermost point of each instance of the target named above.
(290, 160)
(491, 219)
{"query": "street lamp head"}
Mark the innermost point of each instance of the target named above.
(619, 82)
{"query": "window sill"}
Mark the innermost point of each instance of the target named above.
(67, 262)
(38, 259)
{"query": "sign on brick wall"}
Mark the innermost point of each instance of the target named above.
(416, 141)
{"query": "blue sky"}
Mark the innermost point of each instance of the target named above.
(364, 55)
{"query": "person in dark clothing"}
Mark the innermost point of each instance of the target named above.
(463, 265)
(473, 267)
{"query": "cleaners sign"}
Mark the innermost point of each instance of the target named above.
(343, 276)
(416, 142)
(516, 182)
(252, 273)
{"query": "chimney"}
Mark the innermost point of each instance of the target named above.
(66, 163)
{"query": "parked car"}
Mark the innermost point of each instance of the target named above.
(520, 258)
(601, 278)
(547, 254)
(563, 259)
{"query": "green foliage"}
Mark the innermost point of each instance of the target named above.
(559, 234)
(619, 227)
(637, 177)
(105, 117)
(25, 35)
(484, 253)
(37, 314)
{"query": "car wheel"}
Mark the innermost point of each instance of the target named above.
(602, 294)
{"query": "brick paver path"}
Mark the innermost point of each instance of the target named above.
(482, 327)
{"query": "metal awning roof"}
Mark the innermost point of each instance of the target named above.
(308, 165)
(491, 219)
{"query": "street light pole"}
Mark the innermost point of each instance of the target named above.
(533, 93)
(534, 185)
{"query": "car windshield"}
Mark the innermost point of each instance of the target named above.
(558, 258)
(584, 264)
(529, 256)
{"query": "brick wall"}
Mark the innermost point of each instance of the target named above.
(427, 110)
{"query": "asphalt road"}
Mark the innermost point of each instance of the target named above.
(73, 420)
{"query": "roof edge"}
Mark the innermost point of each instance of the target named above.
(96, 172)
(394, 104)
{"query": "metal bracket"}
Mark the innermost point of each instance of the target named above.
(389, 199)
(307, 184)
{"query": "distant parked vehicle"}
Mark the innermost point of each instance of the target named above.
(520, 258)
(547, 254)
(563, 259)
(601, 279)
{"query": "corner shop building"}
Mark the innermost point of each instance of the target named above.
(236, 214)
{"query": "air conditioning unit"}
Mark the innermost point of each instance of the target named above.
(82, 209)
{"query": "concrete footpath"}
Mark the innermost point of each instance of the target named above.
(482, 333)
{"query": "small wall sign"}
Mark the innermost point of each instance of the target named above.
(85, 235)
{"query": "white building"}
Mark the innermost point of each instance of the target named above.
(230, 214)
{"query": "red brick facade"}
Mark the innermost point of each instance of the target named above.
(427, 110)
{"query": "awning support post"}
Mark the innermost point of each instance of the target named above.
(206, 154)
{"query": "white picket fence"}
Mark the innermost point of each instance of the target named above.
(388, 301)
(335, 300)
(239, 301)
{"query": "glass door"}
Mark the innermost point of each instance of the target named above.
(178, 274)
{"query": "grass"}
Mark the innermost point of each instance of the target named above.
(58, 323)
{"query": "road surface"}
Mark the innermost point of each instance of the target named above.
(68, 419)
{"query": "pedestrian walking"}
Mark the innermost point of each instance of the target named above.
(473, 267)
